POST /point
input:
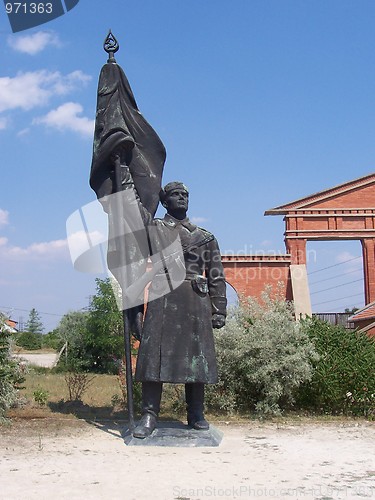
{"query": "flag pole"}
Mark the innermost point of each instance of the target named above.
(125, 309)
(111, 46)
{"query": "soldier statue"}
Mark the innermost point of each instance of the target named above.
(177, 342)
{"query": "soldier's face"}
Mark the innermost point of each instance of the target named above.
(177, 200)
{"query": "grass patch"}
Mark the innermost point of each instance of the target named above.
(97, 403)
(98, 394)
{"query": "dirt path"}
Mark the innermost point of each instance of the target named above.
(70, 459)
(47, 360)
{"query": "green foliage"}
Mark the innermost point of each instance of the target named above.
(31, 338)
(41, 396)
(52, 340)
(34, 323)
(28, 340)
(104, 335)
(94, 338)
(72, 331)
(11, 372)
(117, 400)
(344, 376)
(263, 355)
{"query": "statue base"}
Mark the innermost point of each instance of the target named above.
(176, 434)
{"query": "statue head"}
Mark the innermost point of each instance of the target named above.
(175, 199)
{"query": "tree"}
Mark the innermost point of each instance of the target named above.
(72, 330)
(31, 337)
(104, 334)
(34, 324)
(94, 338)
(11, 374)
(353, 310)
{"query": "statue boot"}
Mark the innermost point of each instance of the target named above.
(151, 396)
(194, 395)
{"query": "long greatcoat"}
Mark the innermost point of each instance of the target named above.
(177, 341)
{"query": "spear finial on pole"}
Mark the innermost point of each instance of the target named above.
(111, 46)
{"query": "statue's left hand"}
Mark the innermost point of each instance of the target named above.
(218, 320)
(136, 322)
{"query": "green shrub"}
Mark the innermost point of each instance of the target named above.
(344, 376)
(52, 340)
(263, 356)
(30, 341)
(11, 373)
(71, 332)
(104, 343)
(94, 338)
(41, 396)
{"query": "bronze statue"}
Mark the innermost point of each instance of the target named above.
(176, 336)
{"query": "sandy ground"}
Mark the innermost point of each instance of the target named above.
(72, 459)
(47, 360)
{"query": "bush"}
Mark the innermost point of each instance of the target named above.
(71, 332)
(344, 376)
(30, 341)
(94, 338)
(41, 396)
(263, 355)
(77, 383)
(52, 340)
(104, 343)
(11, 373)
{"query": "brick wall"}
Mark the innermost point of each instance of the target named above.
(249, 274)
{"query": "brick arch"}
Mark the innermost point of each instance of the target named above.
(344, 212)
(249, 274)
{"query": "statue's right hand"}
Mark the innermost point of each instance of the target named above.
(115, 157)
(126, 176)
(218, 321)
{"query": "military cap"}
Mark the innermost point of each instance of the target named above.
(171, 186)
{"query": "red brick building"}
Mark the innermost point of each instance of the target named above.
(364, 319)
(344, 212)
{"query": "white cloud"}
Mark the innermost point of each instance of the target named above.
(266, 244)
(3, 123)
(350, 263)
(23, 132)
(4, 217)
(51, 250)
(65, 117)
(198, 220)
(344, 257)
(33, 44)
(35, 88)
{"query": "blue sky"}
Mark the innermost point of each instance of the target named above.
(257, 102)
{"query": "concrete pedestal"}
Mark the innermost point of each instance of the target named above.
(176, 434)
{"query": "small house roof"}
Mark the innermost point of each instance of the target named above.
(367, 312)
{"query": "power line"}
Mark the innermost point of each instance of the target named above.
(336, 286)
(28, 310)
(334, 265)
(336, 276)
(339, 298)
